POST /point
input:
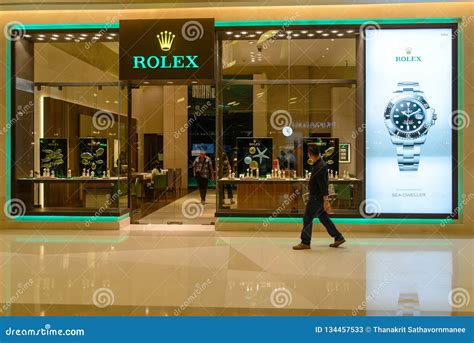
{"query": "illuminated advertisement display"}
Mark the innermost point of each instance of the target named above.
(409, 103)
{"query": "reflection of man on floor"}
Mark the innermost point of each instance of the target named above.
(202, 170)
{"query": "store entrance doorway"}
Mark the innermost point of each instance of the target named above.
(174, 124)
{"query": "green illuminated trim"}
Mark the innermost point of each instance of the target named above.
(460, 205)
(68, 240)
(53, 218)
(290, 22)
(113, 25)
(338, 220)
(8, 117)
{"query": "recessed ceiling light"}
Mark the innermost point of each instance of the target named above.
(281, 35)
(70, 35)
(332, 39)
(107, 101)
(304, 31)
(170, 82)
(237, 36)
(350, 31)
(229, 32)
(340, 34)
(41, 36)
(250, 42)
(113, 34)
(289, 31)
(251, 36)
(82, 38)
(56, 35)
(67, 38)
(27, 36)
(334, 31)
(54, 38)
(310, 34)
(325, 34)
(84, 34)
(258, 32)
(110, 37)
(244, 32)
(319, 31)
(295, 34)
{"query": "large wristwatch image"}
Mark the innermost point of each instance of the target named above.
(408, 118)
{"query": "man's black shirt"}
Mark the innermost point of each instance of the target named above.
(318, 183)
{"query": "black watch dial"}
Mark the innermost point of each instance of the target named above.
(408, 115)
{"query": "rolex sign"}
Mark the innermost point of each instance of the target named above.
(168, 49)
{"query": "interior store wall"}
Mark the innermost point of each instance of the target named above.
(402, 10)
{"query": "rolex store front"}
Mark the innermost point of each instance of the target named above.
(164, 117)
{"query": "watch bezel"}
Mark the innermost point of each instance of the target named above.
(428, 119)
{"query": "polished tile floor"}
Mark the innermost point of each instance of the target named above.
(192, 270)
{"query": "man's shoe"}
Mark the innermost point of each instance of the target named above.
(302, 246)
(337, 242)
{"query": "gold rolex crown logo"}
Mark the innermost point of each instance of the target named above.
(408, 50)
(166, 40)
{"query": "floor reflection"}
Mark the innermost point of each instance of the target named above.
(153, 272)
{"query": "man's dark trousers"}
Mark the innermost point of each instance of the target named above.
(315, 208)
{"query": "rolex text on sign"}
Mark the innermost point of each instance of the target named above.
(170, 49)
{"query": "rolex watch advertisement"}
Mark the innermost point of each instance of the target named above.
(409, 106)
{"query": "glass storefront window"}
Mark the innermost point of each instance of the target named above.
(283, 90)
(69, 151)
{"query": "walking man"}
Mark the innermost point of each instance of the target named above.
(202, 168)
(318, 203)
